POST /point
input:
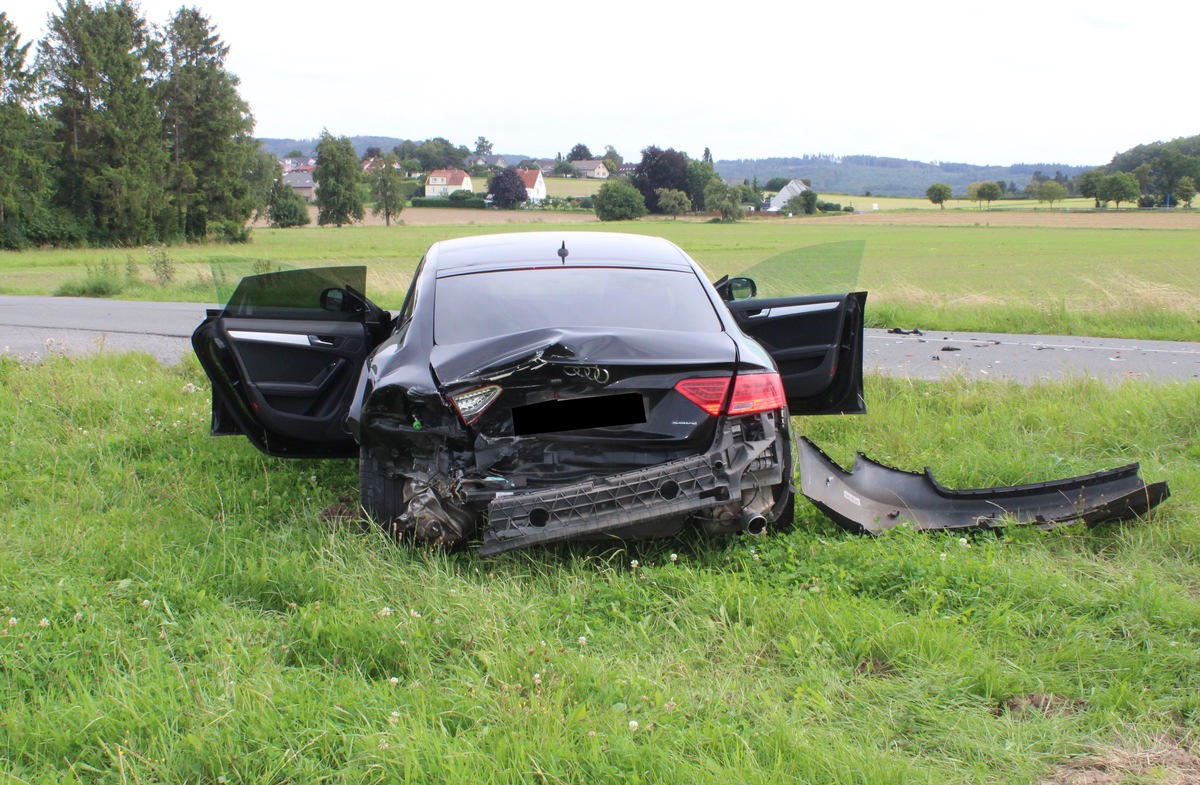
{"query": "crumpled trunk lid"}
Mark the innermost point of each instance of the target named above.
(575, 403)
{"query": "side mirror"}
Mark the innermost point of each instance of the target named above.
(738, 289)
(335, 300)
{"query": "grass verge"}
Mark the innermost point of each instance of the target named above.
(176, 609)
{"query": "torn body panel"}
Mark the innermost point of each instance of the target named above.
(872, 498)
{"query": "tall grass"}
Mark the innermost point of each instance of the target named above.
(176, 608)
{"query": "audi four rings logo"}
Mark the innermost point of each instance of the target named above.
(590, 372)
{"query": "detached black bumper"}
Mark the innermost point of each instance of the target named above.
(679, 488)
(872, 498)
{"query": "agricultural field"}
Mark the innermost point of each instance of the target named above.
(1127, 274)
(180, 608)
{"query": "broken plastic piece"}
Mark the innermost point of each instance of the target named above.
(872, 498)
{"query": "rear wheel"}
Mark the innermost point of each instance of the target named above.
(783, 511)
(382, 495)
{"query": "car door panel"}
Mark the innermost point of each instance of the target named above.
(283, 369)
(817, 344)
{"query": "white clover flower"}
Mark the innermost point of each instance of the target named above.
(44, 623)
(633, 725)
(394, 718)
(13, 621)
(963, 542)
(537, 679)
(634, 564)
(583, 640)
(415, 613)
(189, 388)
(674, 557)
(146, 603)
(393, 681)
(78, 615)
(384, 612)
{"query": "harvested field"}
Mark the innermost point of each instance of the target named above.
(1059, 219)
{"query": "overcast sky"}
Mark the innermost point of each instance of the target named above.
(1050, 81)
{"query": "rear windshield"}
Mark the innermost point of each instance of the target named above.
(479, 305)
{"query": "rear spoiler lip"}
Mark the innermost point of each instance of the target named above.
(872, 498)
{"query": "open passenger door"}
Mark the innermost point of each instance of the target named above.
(816, 341)
(284, 358)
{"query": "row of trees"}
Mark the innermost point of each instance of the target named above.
(119, 132)
(1117, 188)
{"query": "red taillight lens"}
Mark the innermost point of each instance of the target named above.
(471, 405)
(707, 393)
(757, 392)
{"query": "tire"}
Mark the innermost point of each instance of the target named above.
(382, 496)
(783, 512)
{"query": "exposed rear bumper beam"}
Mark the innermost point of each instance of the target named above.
(872, 498)
(610, 504)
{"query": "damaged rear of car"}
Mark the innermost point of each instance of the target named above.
(604, 391)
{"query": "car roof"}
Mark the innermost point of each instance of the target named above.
(537, 249)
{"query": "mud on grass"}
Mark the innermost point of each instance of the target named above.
(175, 609)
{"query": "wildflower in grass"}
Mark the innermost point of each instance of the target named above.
(394, 681)
(537, 679)
(633, 725)
(634, 564)
(582, 640)
(189, 388)
(78, 616)
(414, 613)
(44, 623)
(394, 718)
(963, 542)
(162, 633)
(384, 612)
(145, 603)
(674, 558)
(13, 621)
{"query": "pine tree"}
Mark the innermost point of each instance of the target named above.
(207, 126)
(110, 159)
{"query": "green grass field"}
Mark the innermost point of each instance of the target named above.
(176, 609)
(1135, 283)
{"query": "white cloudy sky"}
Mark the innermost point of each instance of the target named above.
(1045, 81)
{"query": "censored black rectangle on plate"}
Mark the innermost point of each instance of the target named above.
(604, 411)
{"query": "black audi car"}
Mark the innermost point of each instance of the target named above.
(538, 387)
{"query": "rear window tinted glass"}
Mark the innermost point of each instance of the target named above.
(479, 305)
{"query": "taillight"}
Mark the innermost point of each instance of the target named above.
(707, 393)
(757, 392)
(752, 393)
(471, 405)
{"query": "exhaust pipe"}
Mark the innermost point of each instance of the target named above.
(754, 522)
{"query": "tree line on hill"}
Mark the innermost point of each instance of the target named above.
(115, 131)
(1157, 175)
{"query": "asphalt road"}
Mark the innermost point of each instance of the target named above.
(31, 327)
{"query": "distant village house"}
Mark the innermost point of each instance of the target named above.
(443, 182)
(535, 184)
(794, 188)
